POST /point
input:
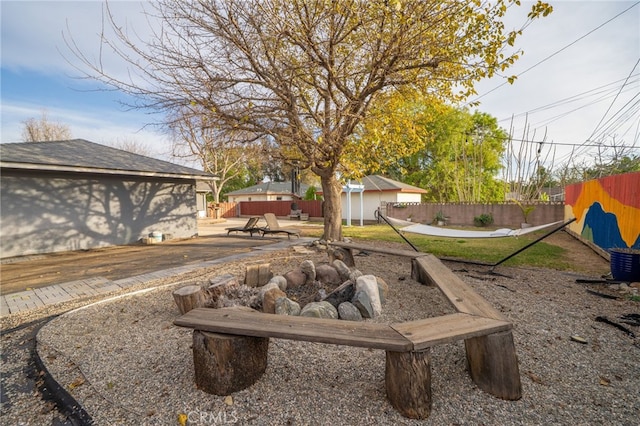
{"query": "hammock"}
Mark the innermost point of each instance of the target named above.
(436, 231)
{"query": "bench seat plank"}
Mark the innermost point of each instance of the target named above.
(463, 298)
(362, 247)
(434, 331)
(256, 324)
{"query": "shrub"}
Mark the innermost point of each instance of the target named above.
(484, 219)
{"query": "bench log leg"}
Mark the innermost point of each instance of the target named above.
(408, 382)
(493, 365)
(225, 363)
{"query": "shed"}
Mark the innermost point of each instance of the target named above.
(379, 190)
(75, 195)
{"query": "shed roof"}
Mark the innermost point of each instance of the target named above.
(381, 183)
(82, 156)
(377, 183)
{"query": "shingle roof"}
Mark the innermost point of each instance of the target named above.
(381, 183)
(79, 155)
(271, 188)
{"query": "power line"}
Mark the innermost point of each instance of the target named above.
(614, 100)
(575, 144)
(558, 51)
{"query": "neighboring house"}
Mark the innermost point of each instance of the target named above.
(75, 194)
(378, 190)
(267, 191)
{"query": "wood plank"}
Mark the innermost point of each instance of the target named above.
(434, 331)
(338, 332)
(362, 247)
(463, 298)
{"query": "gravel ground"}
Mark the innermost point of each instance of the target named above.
(125, 362)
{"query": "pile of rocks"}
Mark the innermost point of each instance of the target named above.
(354, 296)
(326, 290)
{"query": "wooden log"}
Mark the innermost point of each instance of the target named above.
(345, 255)
(226, 363)
(408, 382)
(257, 275)
(190, 297)
(220, 285)
(493, 365)
(418, 274)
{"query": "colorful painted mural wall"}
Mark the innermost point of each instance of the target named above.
(607, 210)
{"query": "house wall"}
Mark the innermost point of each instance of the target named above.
(607, 210)
(46, 213)
(371, 200)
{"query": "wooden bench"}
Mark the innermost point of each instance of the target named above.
(493, 364)
(231, 344)
(408, 360)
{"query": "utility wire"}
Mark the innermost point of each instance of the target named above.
(558, 51)
(614, 100)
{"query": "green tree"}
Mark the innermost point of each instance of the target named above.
(450, 152)
(305, 72)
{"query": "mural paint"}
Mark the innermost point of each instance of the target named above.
(607, 210)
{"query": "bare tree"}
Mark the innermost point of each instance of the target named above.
(524, 169)
(304, 72)
(133, 146)
(221, 153)
(43, 130)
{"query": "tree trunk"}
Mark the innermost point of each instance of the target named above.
(408, 382)
(190, 297)
(332, 210)
(225, 364)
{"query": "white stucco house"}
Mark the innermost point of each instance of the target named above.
(377, 191)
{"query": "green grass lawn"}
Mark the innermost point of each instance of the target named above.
(489, 250)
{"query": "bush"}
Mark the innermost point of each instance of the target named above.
(484, 219)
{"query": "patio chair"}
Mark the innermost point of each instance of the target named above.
(273, 227)
(251, 226)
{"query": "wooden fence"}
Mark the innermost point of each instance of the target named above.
(258, 208)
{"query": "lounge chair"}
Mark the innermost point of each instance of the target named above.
(273, 227)
(251, 226)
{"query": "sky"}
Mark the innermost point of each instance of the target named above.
(578, 79)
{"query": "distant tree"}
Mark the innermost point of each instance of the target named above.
(133, 146)
(43, 130)
(450, 152)
(224, 154)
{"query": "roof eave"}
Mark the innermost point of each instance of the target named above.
(92, 170)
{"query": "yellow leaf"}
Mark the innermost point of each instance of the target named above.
(182, 419)
(77, 382)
